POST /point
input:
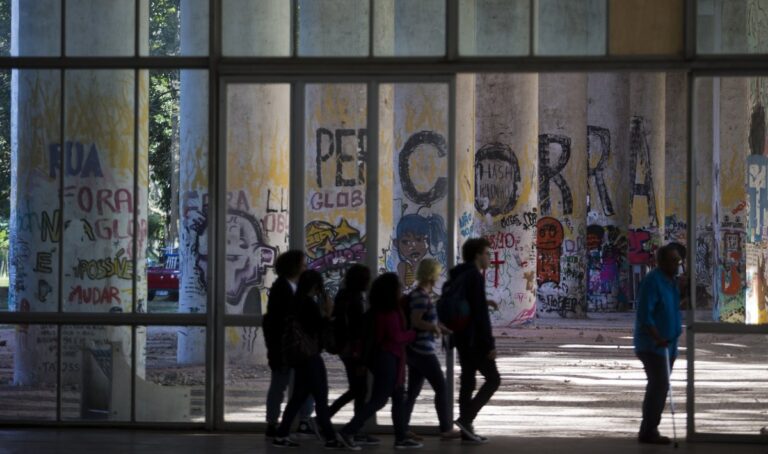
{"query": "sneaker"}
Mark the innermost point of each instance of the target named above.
(308, 429)
(347, 441)
(412, 436)
(408, 444)
(476, 440)
(467, 431)
(334, 444)
(284, 442)
(271, 431)
(450, 435)
(367, 440)
(654, 439)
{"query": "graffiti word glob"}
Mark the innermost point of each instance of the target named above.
(94, 295)
(344, 198)
(549, 242)
(497, 179)
(118, 266)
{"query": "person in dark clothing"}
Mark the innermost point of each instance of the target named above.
(658, 326)
(289, 267)
(475, 344)
(390, 337)
(348, 318)
(422, 359)
(682, 275)
(312, 309)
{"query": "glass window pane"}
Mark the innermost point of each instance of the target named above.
(731, 27)
(730, 385)
(101, 29)
(494, 27)
(336, 143)
(409, 28)
(96, 372)
(413, 149)
(31, 219)
(246, 375)
(333, 28)
(171, 388)
(642, 27)
(28, 372)
(729, 139)
(570, 27)
(34, 28)
(176, 28)
(99, 214)
(258, 140)
(177, 204)
(256, 29)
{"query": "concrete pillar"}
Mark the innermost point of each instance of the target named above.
(608, 216)
(561, 227)
(193, 181)
(646, 151)
(505, 188)
(465, 158)
(99, 200)
(734, 114)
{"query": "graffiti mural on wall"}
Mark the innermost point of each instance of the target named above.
(640, 154)
(599, 142)
(497, 179)
(332, 249)
(730, 304)
(549, 244)
(757, 193)
(552, 173)
(416, 237)
(607, 265)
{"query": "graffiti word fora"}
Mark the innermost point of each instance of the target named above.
(549, 243)
(497, 179)
(94, 295)
(103, 200)
(118, 266)
(321, 200)
(552, 173)
(640, 153)
(439, 188)
(335, 145)
(77, 162)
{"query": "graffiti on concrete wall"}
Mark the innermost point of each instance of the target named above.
(599, 143)
(551, 173)
(497, 179)
(640, 155)
(607, 266)
(332, 249)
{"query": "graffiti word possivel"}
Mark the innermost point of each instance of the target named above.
(77, 162)
(94, 295)
(118, 266)
(321, 200)
(497, 179)
(335, 146)
(552, 173)
(549, 243)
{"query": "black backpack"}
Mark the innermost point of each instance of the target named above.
(453, 309)
(298, 345)
(370, 349)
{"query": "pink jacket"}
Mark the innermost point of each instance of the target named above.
(392, 337)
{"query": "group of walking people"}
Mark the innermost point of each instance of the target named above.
(375, 329)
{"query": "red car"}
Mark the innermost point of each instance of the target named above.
(164, 278)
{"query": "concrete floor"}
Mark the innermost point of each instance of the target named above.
(82, 441)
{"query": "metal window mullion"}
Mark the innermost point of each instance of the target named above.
(372, 179)
(62, 138)
(371, 26)
(452, 29)
(691, 240)
(217, 267)
(294, 40)
(451, 224)
(607, 27)
(297, 166)
(532, 27)
(213, 333)
(134, 246)
(689, 29)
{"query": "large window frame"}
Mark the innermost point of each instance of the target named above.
(372, 71)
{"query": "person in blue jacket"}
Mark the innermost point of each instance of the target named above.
(658, 325)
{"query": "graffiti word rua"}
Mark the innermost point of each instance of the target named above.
(77, 161)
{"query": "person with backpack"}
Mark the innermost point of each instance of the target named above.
(289, 266)
(465, 309)
(422, 353)
(305, 328)
(384, 351)
(349, 329)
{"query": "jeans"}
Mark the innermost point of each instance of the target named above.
(427, 367)
(385, 386)
(655, 391)
(311, 379)
(279, 381)
(471, 363)
(357, 376)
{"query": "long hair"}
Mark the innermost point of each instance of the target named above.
(308, 281)
(385, 294)
(432, 227)
(358, 278)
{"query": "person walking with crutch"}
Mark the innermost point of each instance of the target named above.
(658, 325)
